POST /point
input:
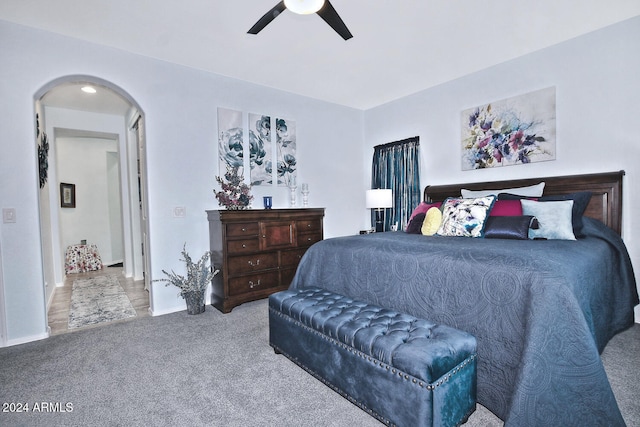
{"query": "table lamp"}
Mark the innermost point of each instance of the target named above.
(379, 199)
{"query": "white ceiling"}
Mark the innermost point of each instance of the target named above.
(399, 46)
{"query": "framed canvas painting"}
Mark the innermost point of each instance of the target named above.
(512, 131)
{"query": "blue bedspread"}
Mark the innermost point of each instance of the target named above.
(542, 311)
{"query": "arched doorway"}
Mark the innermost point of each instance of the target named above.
(108, 122)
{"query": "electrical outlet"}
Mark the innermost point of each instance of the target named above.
(179, 212)
(8, 215)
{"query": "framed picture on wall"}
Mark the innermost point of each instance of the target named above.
(67, 195)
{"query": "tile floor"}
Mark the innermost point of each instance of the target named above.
(58, 315)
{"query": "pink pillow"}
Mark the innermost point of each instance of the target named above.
(424, 207)
(506, 208)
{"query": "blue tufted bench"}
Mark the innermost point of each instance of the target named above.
(400, 369)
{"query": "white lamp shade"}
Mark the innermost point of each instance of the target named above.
(379, 198)
(304, 7)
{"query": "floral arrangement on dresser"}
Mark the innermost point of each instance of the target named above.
(235, 194)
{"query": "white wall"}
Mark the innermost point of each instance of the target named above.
(597, 80)
(115, 209)
(83, 162)
(180, 106)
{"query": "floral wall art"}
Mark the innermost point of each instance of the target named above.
(230, 145)
(512, 131)
(260, 149)
(271, 158)
(286, 151)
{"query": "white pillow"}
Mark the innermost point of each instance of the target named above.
(554, 219)
(530, 191)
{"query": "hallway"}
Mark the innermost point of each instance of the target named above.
(58, 315)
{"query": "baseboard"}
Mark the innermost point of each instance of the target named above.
(53, 292)
(174, 309)
(24, 340)
(167, 310)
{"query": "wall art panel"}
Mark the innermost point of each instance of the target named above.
(512, 131)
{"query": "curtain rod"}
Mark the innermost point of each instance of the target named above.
(402, 141)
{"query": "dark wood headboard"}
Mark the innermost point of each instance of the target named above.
(606, 189)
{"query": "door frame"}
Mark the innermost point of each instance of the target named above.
(130, 198)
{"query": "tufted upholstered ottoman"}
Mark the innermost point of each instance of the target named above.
(402, 370)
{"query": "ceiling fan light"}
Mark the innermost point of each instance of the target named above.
(304, 7)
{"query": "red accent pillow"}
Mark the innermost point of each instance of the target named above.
(424, 207)
(506, 208)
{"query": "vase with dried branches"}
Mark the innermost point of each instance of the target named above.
(193, 286)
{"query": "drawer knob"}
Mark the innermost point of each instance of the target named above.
(244, 229)
(254, 264)
(308, 225)
(244, 246)
(253, 285)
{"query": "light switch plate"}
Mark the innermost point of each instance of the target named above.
(8, 215)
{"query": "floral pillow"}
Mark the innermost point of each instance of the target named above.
(465, 217)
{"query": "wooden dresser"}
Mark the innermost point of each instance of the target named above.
(258, 251)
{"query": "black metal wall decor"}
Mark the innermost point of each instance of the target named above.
(43, 153)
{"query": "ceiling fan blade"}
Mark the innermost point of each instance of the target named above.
(331, 17)
(267, 18)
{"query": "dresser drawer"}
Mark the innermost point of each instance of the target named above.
(249, 263)
(286, 276)
(309, 225)
(291, 258)
(309, 239)
(242, 229)
(243, 246)
(254, 282)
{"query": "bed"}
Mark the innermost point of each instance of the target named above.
(541, 310)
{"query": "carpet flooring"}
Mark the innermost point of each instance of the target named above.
(205, 370)
(97, 300)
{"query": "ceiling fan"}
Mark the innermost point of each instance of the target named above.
(305, 7)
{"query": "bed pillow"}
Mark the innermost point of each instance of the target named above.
(465, 217)
(415, 224)
(529, 191)
(554, 219)
(509, 227)
(506, 208)
(580, 202)
(509, 196)
(423, 207)
(432, 221)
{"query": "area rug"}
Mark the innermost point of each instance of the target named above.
(96, 300)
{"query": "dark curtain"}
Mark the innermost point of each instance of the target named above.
(396, 166)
